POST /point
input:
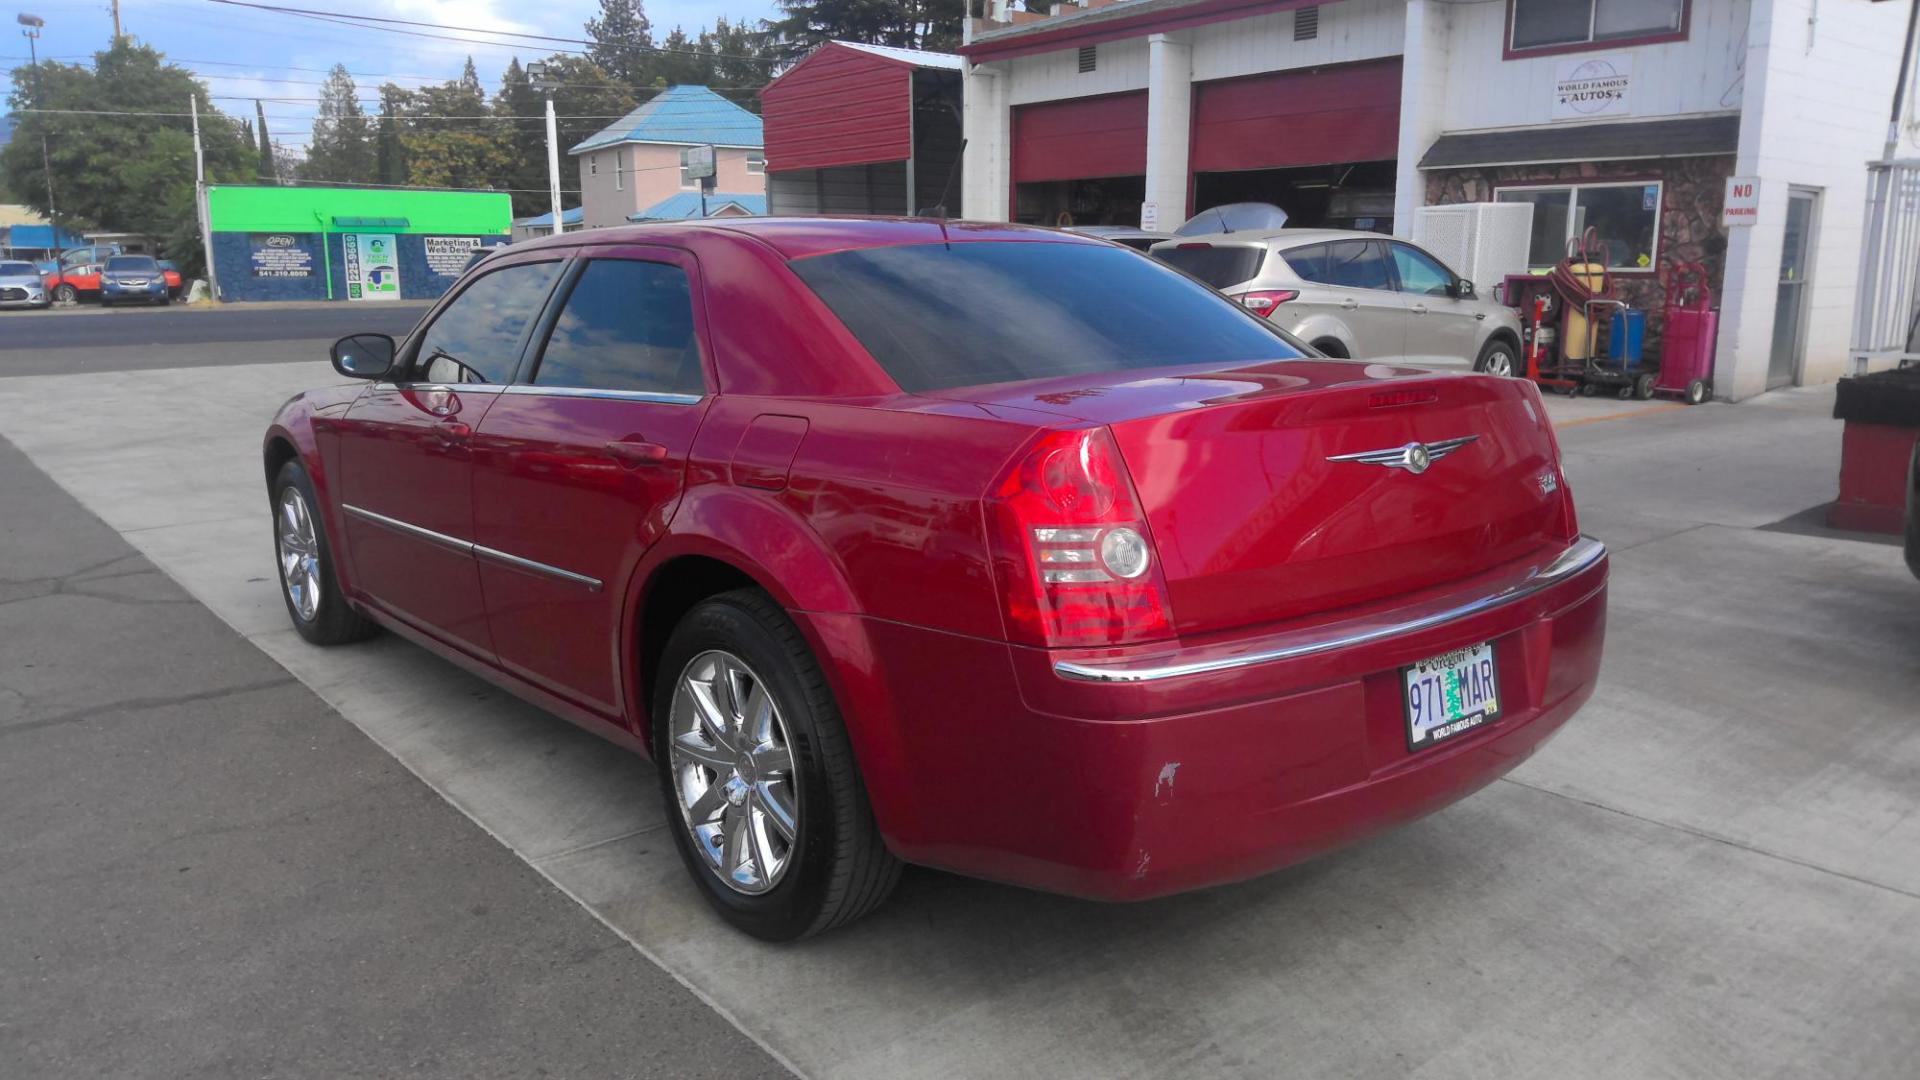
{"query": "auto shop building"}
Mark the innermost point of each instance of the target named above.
(1631, 117)
(294, 243)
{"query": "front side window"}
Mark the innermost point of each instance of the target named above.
(476, 339)
(938, 317)
(1545, 24)
(1625, 219)
(1420, 273)
(626, 325)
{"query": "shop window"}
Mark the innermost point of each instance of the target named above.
(1559, 25)
(1625, 218)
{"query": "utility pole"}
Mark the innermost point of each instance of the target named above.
(30, 26)
(200, 197)
(543, 80)
(116, 22)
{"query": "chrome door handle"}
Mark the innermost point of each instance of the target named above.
(452, 434)
(1481, 315)
(1349, 303)
(1418, 309)
(634, 453)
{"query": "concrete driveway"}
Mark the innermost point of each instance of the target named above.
(1714, 872)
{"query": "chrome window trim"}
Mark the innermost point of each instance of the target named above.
(1584, 553)
(468, 547)
(450, 388)
(655, 397)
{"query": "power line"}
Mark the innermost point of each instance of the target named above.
(349, 20)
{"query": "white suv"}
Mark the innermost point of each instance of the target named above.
(1354, 294)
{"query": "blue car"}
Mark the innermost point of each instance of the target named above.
(133, 279)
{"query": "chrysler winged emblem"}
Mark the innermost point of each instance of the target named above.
(1415, 457)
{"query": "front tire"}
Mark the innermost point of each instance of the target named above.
(1496, 358)
(763, 796)
(65, 295)
(308, 583)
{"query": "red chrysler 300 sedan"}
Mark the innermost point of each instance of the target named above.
(988, 548)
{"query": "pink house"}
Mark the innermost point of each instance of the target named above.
(635, 168)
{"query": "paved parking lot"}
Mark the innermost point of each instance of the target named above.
(1715, 871)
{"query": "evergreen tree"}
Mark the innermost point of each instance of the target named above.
(342, 149)
(269, 167)
(906, 24)
(390, 156)
(622, 37)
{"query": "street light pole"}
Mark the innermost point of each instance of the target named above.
(200, 199)
(30, 26)
(542, 81)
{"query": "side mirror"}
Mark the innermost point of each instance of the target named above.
(1463, 289)
(363, 356)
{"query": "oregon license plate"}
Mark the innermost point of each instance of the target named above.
(1449, 695)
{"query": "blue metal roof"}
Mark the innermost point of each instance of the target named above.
(681, 114)
(573, 216)
(686, 206)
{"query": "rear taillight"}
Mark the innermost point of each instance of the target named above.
(1265, 302)
(1073, 554)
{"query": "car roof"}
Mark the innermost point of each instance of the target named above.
(800, 237)
(1286, 238)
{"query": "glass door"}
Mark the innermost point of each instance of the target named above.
(1790, 300)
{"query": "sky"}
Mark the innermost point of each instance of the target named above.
(242, 54)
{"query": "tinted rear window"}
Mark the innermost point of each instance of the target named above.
(134, 263)
(1220, 267)
(937, 317)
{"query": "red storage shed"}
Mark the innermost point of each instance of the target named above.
(854, 128)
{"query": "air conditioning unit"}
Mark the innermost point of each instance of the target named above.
(1483, 242)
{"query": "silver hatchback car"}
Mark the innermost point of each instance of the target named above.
(21, 285)
(1357, 295)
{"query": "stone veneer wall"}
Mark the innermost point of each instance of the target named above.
(1690, 229)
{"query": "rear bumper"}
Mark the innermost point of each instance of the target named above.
(1197, 772)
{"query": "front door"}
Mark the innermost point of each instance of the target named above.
(578, 467)
(1790, 299)
(1441, 330)
(405, 456)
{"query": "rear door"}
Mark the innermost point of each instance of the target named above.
(1441, 331)
(579, 466)
(1353, 284)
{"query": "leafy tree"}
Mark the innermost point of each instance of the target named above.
(906, 24)
(585, 92)
(125, 173)
(622, 37)
(342, 149)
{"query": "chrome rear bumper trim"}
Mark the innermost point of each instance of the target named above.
(1585, 552)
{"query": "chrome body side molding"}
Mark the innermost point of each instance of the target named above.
(470, 548)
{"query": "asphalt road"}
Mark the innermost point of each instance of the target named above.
(133, 339)
(206, 871)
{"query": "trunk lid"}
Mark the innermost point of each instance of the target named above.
(1254, 516)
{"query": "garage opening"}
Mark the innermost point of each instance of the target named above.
(1320, 143)
(1080, 162)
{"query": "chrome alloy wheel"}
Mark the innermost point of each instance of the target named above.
(1500, 362)
(299, 553)
(733, 772)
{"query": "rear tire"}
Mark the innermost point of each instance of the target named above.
(1496, 358)
(834, 867)
(308, 582)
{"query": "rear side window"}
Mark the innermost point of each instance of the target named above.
(938, 317)
(626, 325)
(476, 339)
(1219, 266)
(1350, 264)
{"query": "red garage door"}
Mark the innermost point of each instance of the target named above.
(1317, 116)
(1080, 139)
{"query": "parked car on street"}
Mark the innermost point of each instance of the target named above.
(1353, 294)
(75, 275)
(21, 285)
(1094, 583)
(171, 271)
(133, 279)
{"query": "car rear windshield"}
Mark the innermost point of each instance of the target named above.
(1219, 266)
(17, 269)
(938, 317)
(132, 263)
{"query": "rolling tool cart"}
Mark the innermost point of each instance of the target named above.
(1686, 352)
(1578, 336)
